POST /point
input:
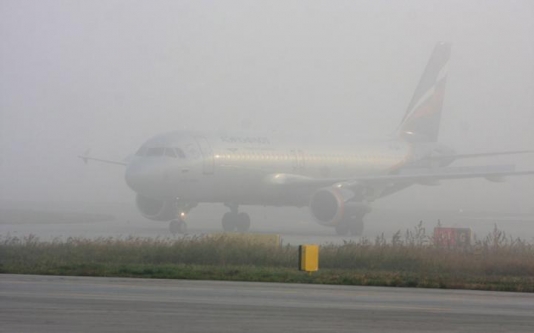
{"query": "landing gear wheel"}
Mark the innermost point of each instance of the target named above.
(356, 227)
(342, 229)
(228, 223)
(243, 222)
(177, 227)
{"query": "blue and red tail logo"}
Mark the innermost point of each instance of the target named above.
(422, 118)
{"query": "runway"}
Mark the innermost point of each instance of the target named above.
(84, 304)
(63, 220)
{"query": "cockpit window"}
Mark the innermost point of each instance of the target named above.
(161, 151)
(179, 152)
(156, 151)
(141, 151)
(170, 152)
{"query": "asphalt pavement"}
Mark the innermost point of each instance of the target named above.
(87, 304)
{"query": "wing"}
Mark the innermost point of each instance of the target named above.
(463, 156)
(377, 185)
(493, 173)
(86, 158)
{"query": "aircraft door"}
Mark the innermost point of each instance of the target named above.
(207, 155)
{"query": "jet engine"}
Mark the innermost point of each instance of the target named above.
(156, 209)
(329, 206)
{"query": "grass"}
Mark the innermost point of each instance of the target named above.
(409, 259)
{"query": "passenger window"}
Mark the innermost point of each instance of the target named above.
(179, 152)
(170, 152)
(157, 151)
(141, 151)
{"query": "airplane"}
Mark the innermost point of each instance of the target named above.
(172, 173)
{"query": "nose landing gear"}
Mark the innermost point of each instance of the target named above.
(234, 221)
(178, 226)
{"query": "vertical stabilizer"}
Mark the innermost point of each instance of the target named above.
(422, 118)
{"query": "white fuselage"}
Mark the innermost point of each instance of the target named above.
(242, 168)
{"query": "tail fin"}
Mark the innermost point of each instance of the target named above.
(421, 121)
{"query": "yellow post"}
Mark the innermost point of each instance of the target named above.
(309, 258)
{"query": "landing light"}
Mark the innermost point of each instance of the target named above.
(182, 214)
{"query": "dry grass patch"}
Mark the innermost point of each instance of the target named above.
(409, 259)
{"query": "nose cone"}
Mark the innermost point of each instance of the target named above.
(144, 178)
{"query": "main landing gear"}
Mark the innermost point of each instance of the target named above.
(352, 224)
(235, 221)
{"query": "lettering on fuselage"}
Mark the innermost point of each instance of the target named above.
(246, 139)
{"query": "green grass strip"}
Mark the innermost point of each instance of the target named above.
(494, 263)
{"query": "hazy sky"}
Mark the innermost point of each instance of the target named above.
(109, 74)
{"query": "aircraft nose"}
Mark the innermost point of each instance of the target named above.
(142, 178)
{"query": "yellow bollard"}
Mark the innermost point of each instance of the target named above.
(309, 258)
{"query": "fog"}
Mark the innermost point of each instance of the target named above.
(107, 75)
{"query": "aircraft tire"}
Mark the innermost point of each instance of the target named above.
(356, 227)
(243, 222)
(342, 229)
(228, 222)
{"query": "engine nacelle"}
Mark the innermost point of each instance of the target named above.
(329, 206)
(156, 209)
